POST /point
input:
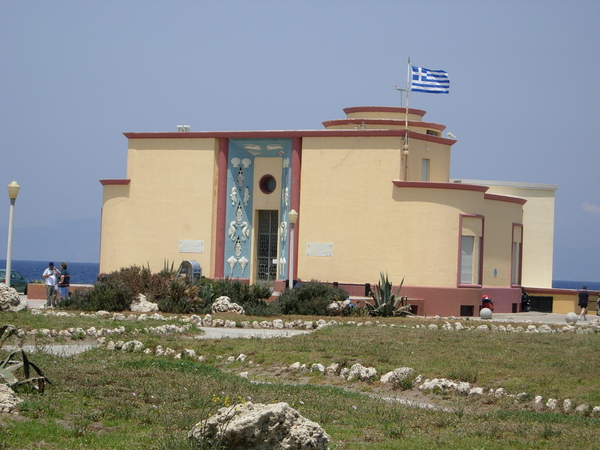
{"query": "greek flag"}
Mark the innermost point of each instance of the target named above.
(431, 81)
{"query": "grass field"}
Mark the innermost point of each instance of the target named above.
(117, 400)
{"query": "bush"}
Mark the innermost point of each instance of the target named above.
(310, 298)
(115, 292)
(182, 298)
(250, 297)
(102, 297)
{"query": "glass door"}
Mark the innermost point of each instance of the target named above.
(268, 226)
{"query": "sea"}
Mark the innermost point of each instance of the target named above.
(81, 273)
(87, 273)
(577, 285)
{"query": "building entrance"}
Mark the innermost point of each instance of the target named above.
(268, 226)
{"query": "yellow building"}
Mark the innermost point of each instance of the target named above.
(372, 192)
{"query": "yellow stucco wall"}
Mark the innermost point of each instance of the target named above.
(373, 225)
(498, 239)
(538, 227)
(172, 188)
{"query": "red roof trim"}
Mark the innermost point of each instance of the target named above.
(286, 134)
(504, 198)
(438, 185)
(123, 181)
(388, 109)
(358, 121)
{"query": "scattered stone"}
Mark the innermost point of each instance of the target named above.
(223, 304)
(10, 299)
(476, 391)
(338, 308)
(396, 376)
(268, 427)
(358, 371)
(332, 369)
(317, 368)
(8, 399)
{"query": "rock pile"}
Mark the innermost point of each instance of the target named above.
(10, 300)
(223, 304)
(258, 426)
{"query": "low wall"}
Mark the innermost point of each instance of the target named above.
(37, 291)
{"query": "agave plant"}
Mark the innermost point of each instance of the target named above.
(9, 366)
(387, 303)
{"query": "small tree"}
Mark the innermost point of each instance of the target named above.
(386, 302)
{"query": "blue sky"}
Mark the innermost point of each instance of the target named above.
(523, 102)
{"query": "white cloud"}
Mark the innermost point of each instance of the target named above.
(591, 208)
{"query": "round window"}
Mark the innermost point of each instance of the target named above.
(268, 184)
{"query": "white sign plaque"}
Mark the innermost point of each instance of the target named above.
(318, 249)
(191, 246)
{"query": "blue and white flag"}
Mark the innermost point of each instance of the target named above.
(431, 81)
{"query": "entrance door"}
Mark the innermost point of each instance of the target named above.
(268, 225)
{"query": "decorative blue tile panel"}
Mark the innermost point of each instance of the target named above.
(240, 182)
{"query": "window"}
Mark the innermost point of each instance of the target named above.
(517, 255)
(470, 253)
(425, 169)
(467, 246)
(267, 184)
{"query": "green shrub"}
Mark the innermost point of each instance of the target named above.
(182, 298)
(310, 298)
(250, 297)
(102, 297)
(115, 292)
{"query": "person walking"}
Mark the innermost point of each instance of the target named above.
(598, 305)
(584, 298)
(50, 275)
(64, 281)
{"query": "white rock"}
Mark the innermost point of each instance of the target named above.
(295, 366)
(140, 304)
(396, 376)
(8, 399)
(475, 391)
(332, 369)
(224, 304)
(265, 427)
(317, 368)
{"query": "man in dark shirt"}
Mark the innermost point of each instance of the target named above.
(64, 280)
(584, 298)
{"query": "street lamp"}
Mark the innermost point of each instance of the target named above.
(13, 192)
(292, 217)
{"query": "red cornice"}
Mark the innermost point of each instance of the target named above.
(287, 134)
(123, 181)
(438, 185)
(504, 198)
(398, 122)
(387, 109)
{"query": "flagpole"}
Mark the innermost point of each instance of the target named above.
(405, 146)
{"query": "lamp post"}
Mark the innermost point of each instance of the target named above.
(13, 192)
(292, 217)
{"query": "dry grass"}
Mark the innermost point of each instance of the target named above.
(115, 400)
